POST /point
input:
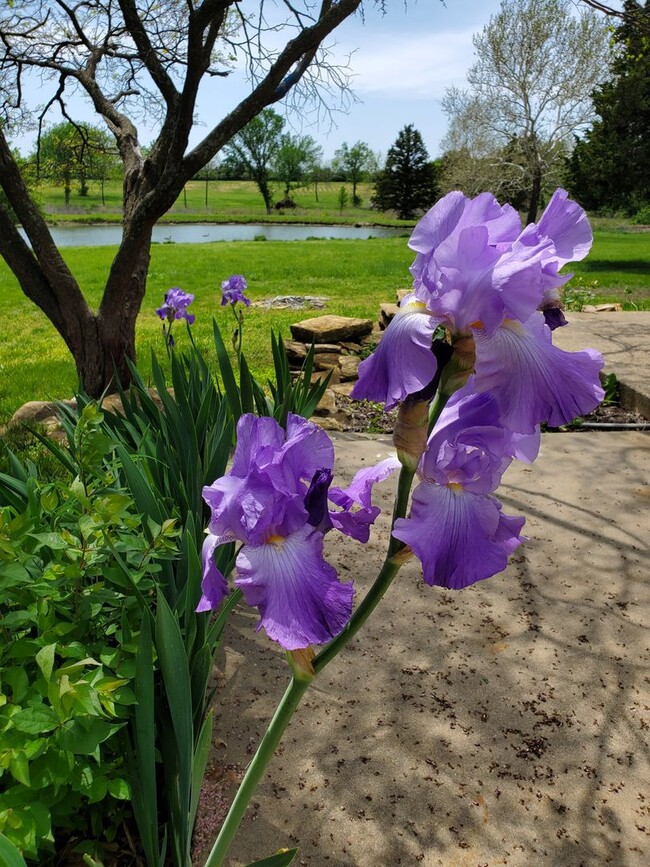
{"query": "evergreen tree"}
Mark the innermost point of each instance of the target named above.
(610, 167)
(407, 184)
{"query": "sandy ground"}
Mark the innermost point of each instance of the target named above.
(504, 724)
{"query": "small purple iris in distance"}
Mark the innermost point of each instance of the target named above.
(274, 501)
(232, 290)
(175, 306)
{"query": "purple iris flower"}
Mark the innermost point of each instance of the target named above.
(274, 501)
(456, 527)
(478, 274)
(175, 306)
(232, 290)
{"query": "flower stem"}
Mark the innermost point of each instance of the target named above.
(382, 582)
(255, 771)
(437, 406)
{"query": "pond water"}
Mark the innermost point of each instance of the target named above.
(197, 233)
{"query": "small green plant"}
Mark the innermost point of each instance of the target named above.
(611, 387)
(578, 293)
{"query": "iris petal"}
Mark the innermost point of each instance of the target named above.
(214, 587)
(533, 380)
(459, 537)
(298, 594)
(403, 363)
(356, 524)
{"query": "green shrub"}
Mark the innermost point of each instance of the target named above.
(73, 562)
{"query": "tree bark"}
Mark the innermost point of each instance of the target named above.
(535, 195)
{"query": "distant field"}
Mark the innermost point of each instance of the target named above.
(227, 201)
(355, 277)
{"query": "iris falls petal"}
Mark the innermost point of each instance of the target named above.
(299, 596)
(403, 363)
(533, 380)
(459, 537)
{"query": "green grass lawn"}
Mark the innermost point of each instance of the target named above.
(355, 276)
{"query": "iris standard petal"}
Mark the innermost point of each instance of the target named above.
(307, 449)
(356, 522)
(566, 224)
(258, 440)
(403, 363)
(459, 537)
(252, 507)
(533, 380)
(299, 596)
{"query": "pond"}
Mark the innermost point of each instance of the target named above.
(197, 233)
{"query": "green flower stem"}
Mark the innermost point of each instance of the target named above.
(437, 406)
(255, 771)
(382, 582)
(238, 335)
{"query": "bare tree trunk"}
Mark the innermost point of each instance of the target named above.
(535, 195)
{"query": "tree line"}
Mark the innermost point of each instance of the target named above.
(70, 153)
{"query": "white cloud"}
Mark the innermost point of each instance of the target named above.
(412, 66)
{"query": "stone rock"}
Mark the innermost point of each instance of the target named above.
(402, 293)
(326, 360)
(296, 351)
(327, 347)
(386, 313)
(344, 388)
(320, 375)
(327, 404)
(113, 403)
(350, 347)
(328, 423)
(374, 337)
(348, 365)
(328, 329)
(293, 302)
(37, 411)
(602, 308)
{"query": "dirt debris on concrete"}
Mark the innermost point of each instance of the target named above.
(504, 724)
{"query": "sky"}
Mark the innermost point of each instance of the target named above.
(401, 63)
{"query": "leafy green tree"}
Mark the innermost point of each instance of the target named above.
(610, 166)
(353, 162)
(407, 183)
(60, 155)
(537, 62)
(101, 162)
(255, 147)
(319, 175)
(295, 161)
(342, 198)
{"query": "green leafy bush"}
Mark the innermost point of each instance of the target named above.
(73, 562)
